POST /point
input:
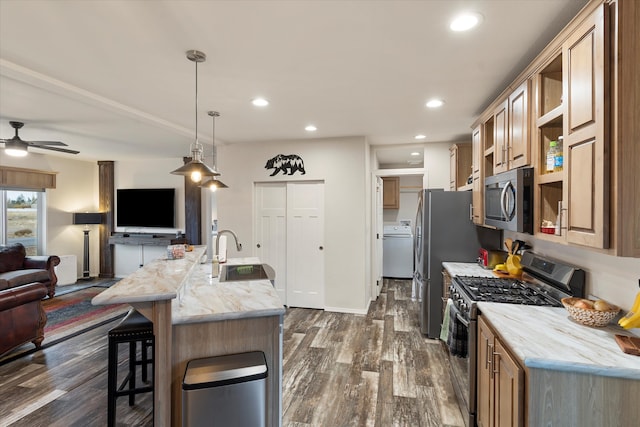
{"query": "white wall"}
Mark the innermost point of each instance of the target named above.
(146, 174)
(76, 191)
(342, 164)
(436, 165)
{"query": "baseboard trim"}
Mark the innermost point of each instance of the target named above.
(346, 310)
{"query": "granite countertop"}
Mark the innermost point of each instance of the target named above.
(159, 279)
(466, 269)
(547, 338)
(196, 297)
(207, 300)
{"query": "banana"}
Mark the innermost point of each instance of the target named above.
(632, 319)
(500, 267)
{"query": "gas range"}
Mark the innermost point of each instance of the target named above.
(544, 282)
(495, 289)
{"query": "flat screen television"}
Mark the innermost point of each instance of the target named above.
(146, 207)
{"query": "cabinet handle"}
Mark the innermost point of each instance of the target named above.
(258, 245)
(471, 212)
(487, 361)
(493, 363)
(321, 248)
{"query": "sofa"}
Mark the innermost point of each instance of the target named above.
(24, 282)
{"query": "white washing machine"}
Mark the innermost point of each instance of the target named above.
(397, 255)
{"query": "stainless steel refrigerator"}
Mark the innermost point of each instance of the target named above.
(444, 233)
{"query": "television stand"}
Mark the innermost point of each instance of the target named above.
(147, 239)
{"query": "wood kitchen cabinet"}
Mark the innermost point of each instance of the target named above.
(518, 146)
(511, 123)
(391, 192)
(577, 193)
(583, 87)
(477, 188)
(586, 170)
(500, 382)
(459, 165)
(625, 126)
(549, 114)
(500, 138)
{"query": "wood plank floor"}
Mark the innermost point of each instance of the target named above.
(339, 370)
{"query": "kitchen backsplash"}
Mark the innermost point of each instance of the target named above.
(614, 279)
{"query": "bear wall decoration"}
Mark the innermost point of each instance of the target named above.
(288, 164)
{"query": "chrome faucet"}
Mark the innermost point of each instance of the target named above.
(215, 269)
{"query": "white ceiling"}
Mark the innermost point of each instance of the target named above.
(110, 78)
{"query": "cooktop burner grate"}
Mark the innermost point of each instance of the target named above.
(495, 289)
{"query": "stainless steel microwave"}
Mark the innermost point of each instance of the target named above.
(508, 200)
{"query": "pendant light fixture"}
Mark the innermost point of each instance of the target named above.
(196, 168)
(213, 184)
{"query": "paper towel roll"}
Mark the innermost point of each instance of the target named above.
(222, 249)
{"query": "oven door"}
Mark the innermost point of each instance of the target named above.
(463, 371)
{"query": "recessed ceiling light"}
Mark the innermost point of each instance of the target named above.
(415, 153)
(435, 103)
(420, 136)
(465, 21)
(311, 128)
(260, 102)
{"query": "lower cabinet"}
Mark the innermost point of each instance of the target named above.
(500, 382)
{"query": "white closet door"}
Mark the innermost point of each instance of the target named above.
(379, 234)
(305, 244)
(271, 231)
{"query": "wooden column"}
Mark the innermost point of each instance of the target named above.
(106, 206)
(192, 209)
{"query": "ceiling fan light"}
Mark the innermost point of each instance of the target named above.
(15, 152)
(15, 149)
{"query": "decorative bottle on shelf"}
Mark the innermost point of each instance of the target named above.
(558, 161)
(551, 157)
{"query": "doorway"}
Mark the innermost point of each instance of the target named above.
(289, 224)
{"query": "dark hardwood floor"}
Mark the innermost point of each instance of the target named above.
(339, 370)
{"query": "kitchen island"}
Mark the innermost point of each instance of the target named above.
(195, 316)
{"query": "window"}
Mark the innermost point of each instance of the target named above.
(23, 219)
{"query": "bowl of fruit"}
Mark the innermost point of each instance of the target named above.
(591, 313)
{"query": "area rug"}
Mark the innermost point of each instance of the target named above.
(70, 315)
(73, 312)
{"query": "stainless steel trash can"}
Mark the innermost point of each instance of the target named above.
(228, 390)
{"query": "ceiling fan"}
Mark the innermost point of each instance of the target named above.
(18, 147)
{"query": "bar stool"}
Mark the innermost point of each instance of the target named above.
(132, 329)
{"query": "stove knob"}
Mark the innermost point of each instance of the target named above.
(464, 307)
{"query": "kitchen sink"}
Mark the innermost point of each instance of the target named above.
(239, 273)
